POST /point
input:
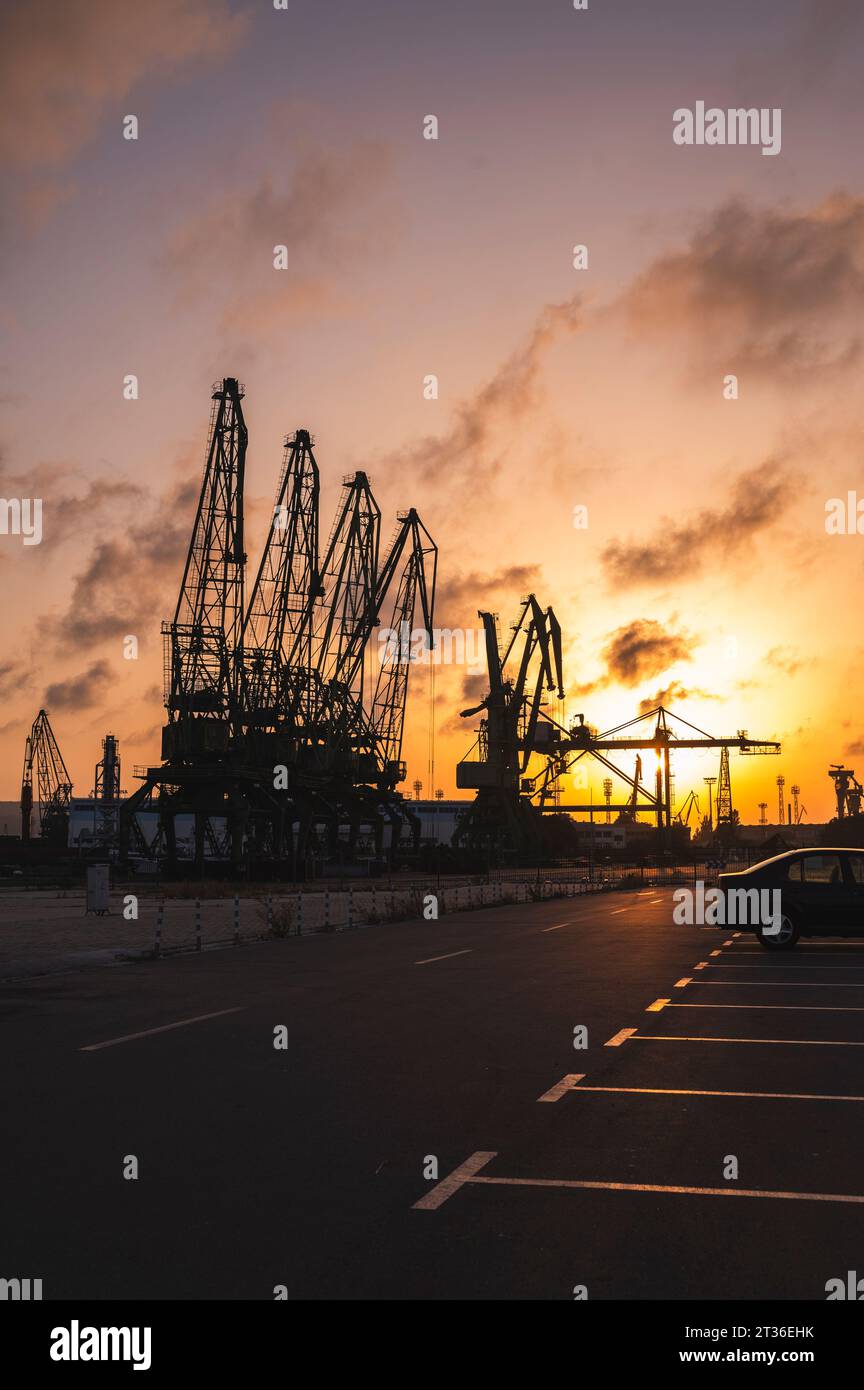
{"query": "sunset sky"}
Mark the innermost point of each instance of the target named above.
(705, 576)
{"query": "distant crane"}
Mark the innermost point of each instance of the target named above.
(43, 763)
(106, 791)
(725, 813)
(513, 727)
(691, 804)
(847, 789)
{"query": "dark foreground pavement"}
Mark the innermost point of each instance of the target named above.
(301, 1167)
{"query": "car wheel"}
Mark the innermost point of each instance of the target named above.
(785, 939)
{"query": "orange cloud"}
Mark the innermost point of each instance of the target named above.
(762, 289)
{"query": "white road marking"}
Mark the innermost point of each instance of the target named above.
(430, 959)
(165, 1028)
(658, 1006)
(558, 928)
(562, 1087)
(700, 965)
(616, 910)
(781, 984)
(678, 1191)
(801, 954)
(796, 1008)
(787, 1042)
(727, 943)
(727, 965)
(714, 953)
(620, 1038)
(753, 1095)
(464, 1173)
(679, 984)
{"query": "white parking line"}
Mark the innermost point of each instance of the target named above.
(726, 965)
(801, 953)
(468, 1174)
(562, 1087)
(464, 1173)
(751, 1095)
(620, 1038)
(777, 984)
(676, 1191)
(165, 1028)
(787, 1042)
(558, 928)
(796, 1008)
(430, 959)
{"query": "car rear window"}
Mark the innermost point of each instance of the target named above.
(856, 864)
(822, 869)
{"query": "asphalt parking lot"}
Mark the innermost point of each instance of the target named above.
(429, 1131)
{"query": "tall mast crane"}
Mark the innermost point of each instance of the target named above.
(45, 774)
(348, 581)
(725, 814)
(278, 620)
(203, 643)
(267, 731)
(416, 586)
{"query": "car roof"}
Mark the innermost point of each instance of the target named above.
(811, 849)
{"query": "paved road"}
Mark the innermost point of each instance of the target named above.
(302, 1167)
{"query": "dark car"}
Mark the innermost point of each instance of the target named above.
(821, 894)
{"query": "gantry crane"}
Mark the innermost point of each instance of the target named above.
(516, 728)
(46, 780)
(665, 737)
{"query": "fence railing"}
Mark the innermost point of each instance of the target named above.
(192, 924)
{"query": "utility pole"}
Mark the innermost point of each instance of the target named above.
(781, 783)
(709, 782)
(607, 792)
(763, 807)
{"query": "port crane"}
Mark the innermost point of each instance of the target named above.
(45, 780)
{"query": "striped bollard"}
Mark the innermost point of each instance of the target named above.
(197, 924)
(160, 913)
(236, 919)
